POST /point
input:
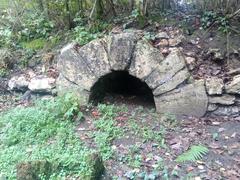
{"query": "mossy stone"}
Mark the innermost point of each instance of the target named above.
(32, 170)
(97, 168)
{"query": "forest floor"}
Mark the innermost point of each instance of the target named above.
(149, 144)
(137, 143)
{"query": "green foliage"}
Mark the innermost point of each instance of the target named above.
(3, 72)
(25, 28)
(43, 132)
(5, 37)
(35, 26)
(135, 161)
(169, 120)
(107, 129)
(35, 44)
(208, 18)
(84, 33)
(3, 4)
(148, 133)
(83, 36)
(221, 21)
(148, 176)
(160, 164)
(66, 107)
(149, 36)
(136, 14)
(196, 152)
(54, 40)
(26, 56)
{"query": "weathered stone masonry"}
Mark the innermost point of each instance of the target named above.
(174, 92)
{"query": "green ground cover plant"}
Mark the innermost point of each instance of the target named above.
(44, 131)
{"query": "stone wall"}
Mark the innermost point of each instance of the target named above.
(174, 90)
(223, 97)
(168, 77)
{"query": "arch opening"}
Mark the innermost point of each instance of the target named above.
(122, 88)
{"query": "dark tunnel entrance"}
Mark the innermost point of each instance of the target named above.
(121, 87)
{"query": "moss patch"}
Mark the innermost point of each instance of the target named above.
(35, 44)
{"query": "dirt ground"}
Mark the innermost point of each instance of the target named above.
(150, 144)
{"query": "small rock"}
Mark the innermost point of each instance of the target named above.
(227, 111)
(174, 42)
(222, 169)
(216, 123)
(216, 54)
(157, 25)
(42, 84)
(31, 74)
(194, 42)
(18, 83)
(26, 96)
(191, 62)
(197, 178)
(162, 35)
(224, 99)
(167, 154)
(114, 147)
(6, 58)
(233, 87)
(165, 51)
(221, 129)
(233, 65)
(212, 107)
(214, 86)
(148, 159)
(163, 43)
(200, 162)
(47, 97)
(226, 137)
(190, 53)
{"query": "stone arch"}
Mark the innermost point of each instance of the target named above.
(81, 67)
(124, 84)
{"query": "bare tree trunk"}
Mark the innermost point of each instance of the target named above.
(68, 14)
(40, 5)
(163, 5)
(97, 10)
(45, 8)
(111, 7)
(145, 8)
(79, 5)
(132, 4)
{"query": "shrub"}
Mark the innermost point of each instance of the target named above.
(35, 26)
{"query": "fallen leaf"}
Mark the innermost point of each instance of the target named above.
(189, 169)
(95, 114)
